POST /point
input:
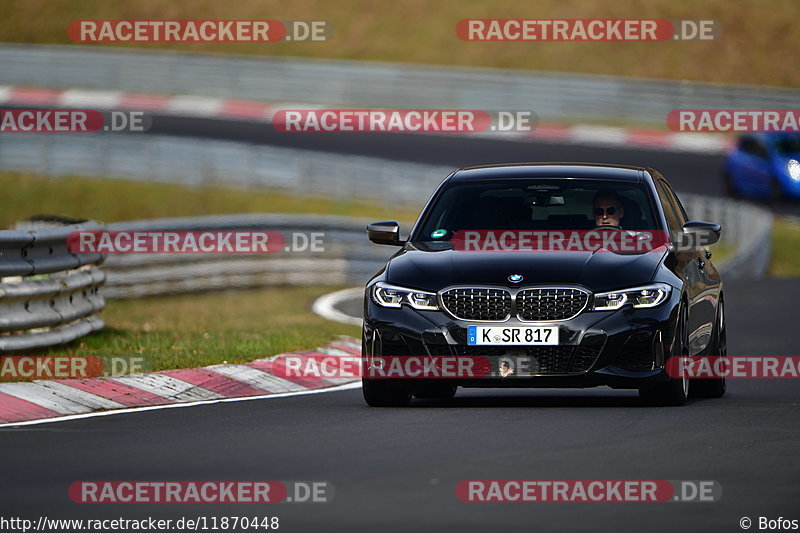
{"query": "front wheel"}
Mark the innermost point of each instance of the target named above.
(676, 390)
(715, 387)
(384, 394)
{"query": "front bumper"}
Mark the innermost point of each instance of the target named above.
(791, 188)
(626, 348)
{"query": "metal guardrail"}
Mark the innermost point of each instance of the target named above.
(553, 96)
(47, 294)
(191, 161)
(746, 228)
(348, 257)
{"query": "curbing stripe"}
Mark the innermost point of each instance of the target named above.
(245, 109)
(92, 401)
(649, 138)
(168, 387)
(698, 142)
(44, 397)
(598, 134)
(337, 352)
(354, 351)
(33, 96)
(214, 382)
(144, 102)
(96, 414)
(116, 391)
(210, 107)
(102, 100)
(199, 106)
(23, 403)
(277, 367)
(5, 94)
(13, 409)
(257, 378)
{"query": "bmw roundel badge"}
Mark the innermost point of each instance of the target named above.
(515, 278)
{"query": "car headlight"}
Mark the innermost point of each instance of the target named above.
(393, 296)
(646, 296)
(793, 167)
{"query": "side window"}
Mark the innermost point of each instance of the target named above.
(673, 221)
(753, 146)
(681, 212)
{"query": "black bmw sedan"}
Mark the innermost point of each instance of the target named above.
(544, 275)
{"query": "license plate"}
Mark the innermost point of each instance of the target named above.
(512, 335)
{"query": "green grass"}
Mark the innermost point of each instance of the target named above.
(202, 329)
(721, 252)
(757, 37)
(785, 260)
(114, 200)
(198, 329)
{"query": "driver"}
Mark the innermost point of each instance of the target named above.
(608, 209)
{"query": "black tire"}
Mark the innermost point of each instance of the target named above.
(675, 391)
(384, 394)
(672, 393)
(435, 392)
(714, 388)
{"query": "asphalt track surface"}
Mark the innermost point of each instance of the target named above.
(396, 469)
(689, 172)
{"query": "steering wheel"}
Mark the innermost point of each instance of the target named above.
(608, 228)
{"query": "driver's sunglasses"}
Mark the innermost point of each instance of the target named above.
(598, 211)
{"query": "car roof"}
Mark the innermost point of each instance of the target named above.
(781, 134)
(551, 170)
(769, 135)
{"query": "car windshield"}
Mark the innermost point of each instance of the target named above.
(787, 144)
(536, 204)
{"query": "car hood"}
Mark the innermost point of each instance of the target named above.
(432, 269)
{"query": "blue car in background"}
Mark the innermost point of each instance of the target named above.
(764, 165)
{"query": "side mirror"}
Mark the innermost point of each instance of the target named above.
(385, 233)
(699, 234)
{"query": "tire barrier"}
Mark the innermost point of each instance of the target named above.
(48, 295)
